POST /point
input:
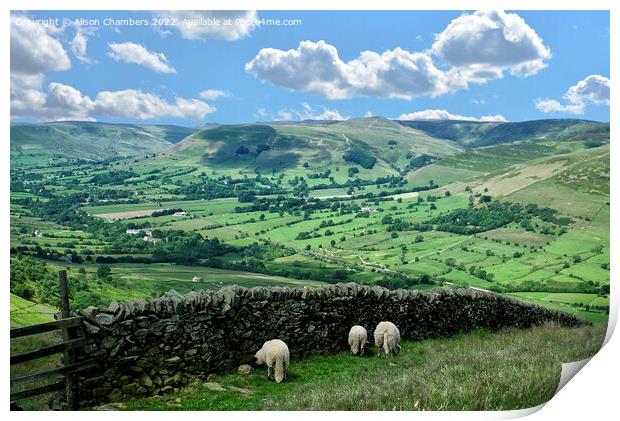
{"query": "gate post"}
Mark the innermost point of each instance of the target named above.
(71, 383)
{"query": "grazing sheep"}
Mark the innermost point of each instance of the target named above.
(387, 337)
(275, 354)
(357, 339)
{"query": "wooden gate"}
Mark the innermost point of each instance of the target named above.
(71, 341)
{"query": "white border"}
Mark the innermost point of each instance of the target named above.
(590, 395)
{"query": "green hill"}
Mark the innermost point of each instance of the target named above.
(476, 134)
(49, 143)
(375, 145)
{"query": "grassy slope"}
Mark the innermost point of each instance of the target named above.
(321, 145)
(475, 134)
(476, 371)
(25, 313)
(35, 144)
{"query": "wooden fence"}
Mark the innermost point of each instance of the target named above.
(71, 341)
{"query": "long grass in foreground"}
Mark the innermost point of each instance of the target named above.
(510, 369)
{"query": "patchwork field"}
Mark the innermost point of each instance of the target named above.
(367, 200)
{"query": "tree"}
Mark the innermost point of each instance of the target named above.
(103, 271)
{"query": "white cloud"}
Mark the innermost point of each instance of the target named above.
(130, 52)
(593, 89)
(316, 68)
(135, 104)
(476, 47)
(306, 112)
(34, 49)
(63, 102)
(213, 94)
(78, 45)
(26, 93)
(368, 114)
(446, 115)
(261, 114)
(205, 24)
(484, 44)
(60, 102)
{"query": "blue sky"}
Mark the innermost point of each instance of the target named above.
(558, 67)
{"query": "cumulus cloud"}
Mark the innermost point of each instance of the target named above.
(484, 44)
(553, 106)
(306, 112)
(309, 112)
(140, 105)
(212, 24)
(63, 102)
(446, 115)
(34, 49)
(78, 46)
(593, 89)
(316, 68)
(60, 102)
(130, 52)
(26, 93)
(212, 94)
(475, 47)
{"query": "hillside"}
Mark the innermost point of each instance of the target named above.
(476, 134)
(469, 364)
(376, 145)
(50, 143)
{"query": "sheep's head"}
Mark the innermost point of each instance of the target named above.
(258, 359)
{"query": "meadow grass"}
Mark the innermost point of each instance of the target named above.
(480, 370)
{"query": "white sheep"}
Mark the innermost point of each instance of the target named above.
(275, 354)
(387, 337)
(357, 339)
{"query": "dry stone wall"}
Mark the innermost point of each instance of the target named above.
(149, 347)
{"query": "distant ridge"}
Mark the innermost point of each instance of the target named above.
(38, 143)
(476, 134)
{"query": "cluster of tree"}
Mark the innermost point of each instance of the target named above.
(421, 161)
(258, 266)
(324, 174)
(165, 212)
(187, 248)
(213, 189)
(396, 281)
(48, 254)
(112, 177)
(35, 281)
(359, 156)
(494, 215)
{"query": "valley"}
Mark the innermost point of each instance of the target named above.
(515, 208)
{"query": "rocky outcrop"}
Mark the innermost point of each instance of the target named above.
(149, 347)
